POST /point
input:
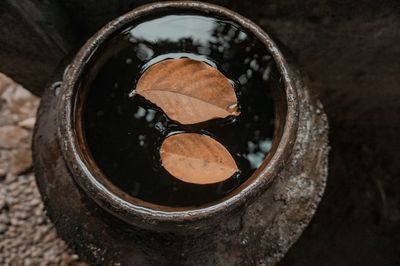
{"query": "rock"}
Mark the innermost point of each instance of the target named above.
(4, 219)
(4, 82)
(3, 228)
(21, 161)
(28, 123)
(17, 104)
(12, 136)
(3, 173)
(3, 203)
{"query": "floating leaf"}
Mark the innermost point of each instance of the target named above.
(188, 91)
(197, 159)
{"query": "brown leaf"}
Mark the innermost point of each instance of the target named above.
(197, 159)
(188, 91)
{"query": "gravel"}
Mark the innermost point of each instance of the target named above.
(27, 236)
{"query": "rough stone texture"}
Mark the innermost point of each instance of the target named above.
(27, 237)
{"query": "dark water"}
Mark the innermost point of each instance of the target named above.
(124, 134)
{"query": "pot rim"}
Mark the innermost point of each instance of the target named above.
(146, 215)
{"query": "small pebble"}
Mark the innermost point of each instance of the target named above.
(28, 123)
(3, 228)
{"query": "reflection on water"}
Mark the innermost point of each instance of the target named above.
(131, 130)
(209, 36)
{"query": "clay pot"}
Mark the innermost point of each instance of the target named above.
(255, 224)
